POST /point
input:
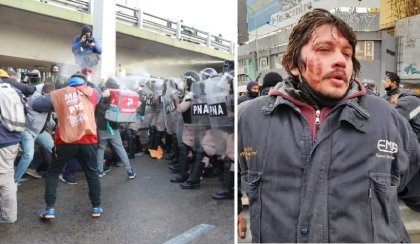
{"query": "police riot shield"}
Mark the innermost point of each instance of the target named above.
(158, 93)
(147, 103)
(220, 107)
(130, 82)
(174, 122)
(157, 111)
(199, 112)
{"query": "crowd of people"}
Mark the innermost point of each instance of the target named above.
(63, 125)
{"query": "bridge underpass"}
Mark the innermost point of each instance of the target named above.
(35, 35)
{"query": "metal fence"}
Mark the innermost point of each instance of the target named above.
(138, 18)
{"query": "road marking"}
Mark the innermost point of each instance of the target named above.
(190, 234)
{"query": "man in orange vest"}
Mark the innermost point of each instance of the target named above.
(75, 137)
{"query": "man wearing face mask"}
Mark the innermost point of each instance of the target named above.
(56, 78)
(320, 160)
(252, 92)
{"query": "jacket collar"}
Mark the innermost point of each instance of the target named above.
(286, 93)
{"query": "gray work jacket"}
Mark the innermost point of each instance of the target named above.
(34, 120)
(341, 184)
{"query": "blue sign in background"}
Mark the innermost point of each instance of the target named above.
(262, 10)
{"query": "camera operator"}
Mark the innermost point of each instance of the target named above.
(86, 49)
(34, 77)
(26, 90)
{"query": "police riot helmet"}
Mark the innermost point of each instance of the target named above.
(207, 73)
(189, 78)
(228, 66)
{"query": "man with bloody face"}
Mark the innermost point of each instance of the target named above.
(320, 160)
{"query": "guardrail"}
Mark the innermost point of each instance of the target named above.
(138, 18)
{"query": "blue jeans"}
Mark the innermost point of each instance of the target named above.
(27, 142)
(114, 140)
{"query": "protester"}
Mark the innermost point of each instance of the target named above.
(9, 145)
(56, 78)
(26, 89)
(392, 85)
(270, 80)
(408, 105)
(320, 160)
(36, 125)
(370, 87)
(252, 92)
(108, 133)
(75, 137)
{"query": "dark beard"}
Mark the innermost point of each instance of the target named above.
(317, 99)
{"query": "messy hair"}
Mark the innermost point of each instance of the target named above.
(47, 88)
(302, 33)
(393, 77)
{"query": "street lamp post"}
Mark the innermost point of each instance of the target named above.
(257, 66)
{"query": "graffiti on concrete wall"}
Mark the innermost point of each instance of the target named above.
(411, 69)
(409, 54)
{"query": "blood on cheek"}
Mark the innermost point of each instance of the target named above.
(313, 71)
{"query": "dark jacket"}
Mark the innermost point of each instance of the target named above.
(339, 183)
(245, 97)
(58, 80)
(390, 93)
(100, 111)
(408, 106)
(265, 91)
(36, 121)
(26, 90)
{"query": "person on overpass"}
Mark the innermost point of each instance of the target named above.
(86, 48)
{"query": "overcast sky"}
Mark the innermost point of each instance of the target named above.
(214, 16)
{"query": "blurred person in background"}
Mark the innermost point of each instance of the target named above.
(270, 80)
(252, 89)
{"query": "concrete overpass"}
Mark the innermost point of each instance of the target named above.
(35, 34)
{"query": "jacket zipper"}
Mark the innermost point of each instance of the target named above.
(317, 120)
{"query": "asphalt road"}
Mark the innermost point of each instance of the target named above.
(148, 209)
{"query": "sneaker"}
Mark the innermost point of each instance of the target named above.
(68, 180)
(107, 169)
(48, 213)
(139, 154)
(131, 174)
(96, 212)
(33, 173)
(101, 174)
